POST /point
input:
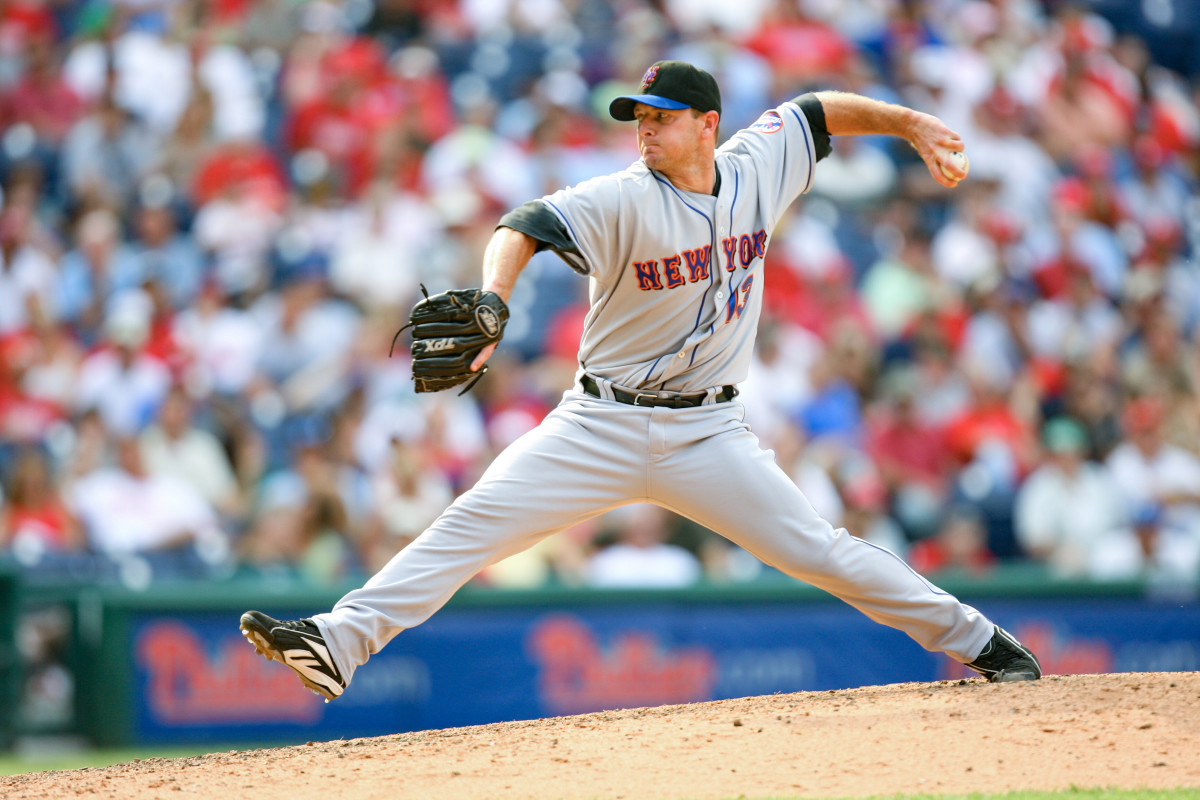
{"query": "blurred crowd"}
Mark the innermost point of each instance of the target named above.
(216, 213)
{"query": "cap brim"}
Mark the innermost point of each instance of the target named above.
(622, 107)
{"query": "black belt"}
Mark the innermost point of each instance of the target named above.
(665, 399)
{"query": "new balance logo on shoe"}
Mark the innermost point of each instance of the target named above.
(1004, 660)
(316, 666)
(296, 644)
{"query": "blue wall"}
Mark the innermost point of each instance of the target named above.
(194, 678)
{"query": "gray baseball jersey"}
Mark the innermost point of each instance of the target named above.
(676, 292)
(677, 277)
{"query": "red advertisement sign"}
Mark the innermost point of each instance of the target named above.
(188, 684)
(577, 674)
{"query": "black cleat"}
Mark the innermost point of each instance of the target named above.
(1004, 659)
(297, 644)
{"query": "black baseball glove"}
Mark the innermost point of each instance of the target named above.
(448, 331)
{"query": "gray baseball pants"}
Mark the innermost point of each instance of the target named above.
(591, 455)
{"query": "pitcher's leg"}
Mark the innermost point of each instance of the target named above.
(744, 496)
(557, 475)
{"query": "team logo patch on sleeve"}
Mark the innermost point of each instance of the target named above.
(769, 122)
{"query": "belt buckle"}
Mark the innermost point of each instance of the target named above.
(637, 398)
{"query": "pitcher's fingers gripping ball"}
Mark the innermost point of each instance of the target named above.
(961, 161)
(449, 330)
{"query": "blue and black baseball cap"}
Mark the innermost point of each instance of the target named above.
(672, 85)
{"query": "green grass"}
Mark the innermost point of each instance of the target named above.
(1066, 794)
(16, 765)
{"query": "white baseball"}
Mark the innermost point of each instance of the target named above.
(963, 163)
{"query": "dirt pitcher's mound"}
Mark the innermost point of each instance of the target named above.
(1136, 730)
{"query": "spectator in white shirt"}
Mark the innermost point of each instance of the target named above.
(641, 556)
(1153, 475)
(129, 513)
(124, 383)
(176, 447)
(224, 343)
(1069, 504)
(27, 274)
(1164, 556)
(409, 494)
(378, 258)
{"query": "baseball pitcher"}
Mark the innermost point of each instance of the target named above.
(673, 248)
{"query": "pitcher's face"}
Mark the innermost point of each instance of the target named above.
(667, 139)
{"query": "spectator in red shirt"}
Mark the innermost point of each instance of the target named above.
(911, 454)
(1078, 112)
(990, 420)
(332, 124)
(511, 404)
(240, 166)
(346, 120)
(960, 545)
(42, 98)
(35, 518)
(29, 410)
(996, 446)
(819, 300)
(417, 77)
(27, 21)
(800, 49)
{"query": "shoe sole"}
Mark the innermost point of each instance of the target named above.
(265, 647)
(1004, 676)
